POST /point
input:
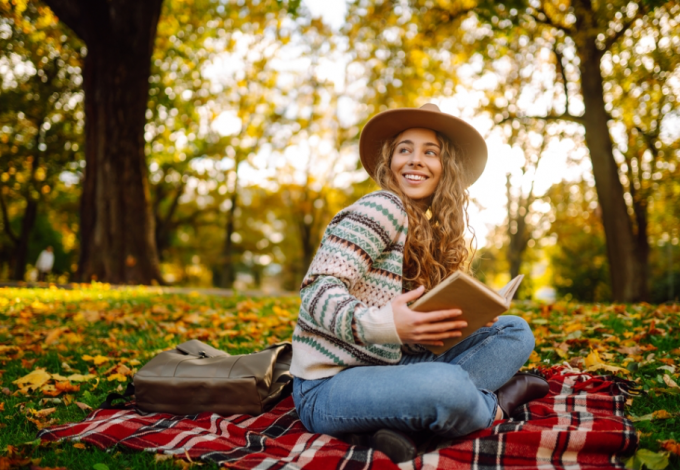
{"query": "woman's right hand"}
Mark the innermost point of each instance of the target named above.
(428, 328)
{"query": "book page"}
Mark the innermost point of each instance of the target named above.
(508, 291)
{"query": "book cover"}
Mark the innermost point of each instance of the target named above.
(480, 304)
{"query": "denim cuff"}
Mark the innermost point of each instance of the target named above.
(493, 408)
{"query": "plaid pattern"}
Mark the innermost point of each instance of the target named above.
(580, 425)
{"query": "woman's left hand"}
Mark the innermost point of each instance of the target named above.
(491, 322)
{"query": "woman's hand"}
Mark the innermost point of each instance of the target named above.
(428, 328)
(492, 322)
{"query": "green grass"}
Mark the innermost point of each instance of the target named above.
(134, 323)
(58, 329)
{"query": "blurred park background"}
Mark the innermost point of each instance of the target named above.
(209, 142)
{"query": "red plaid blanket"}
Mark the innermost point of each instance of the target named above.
(579, 425)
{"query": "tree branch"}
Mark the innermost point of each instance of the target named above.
(611, 40)
(174, 203)
(549, 22)
(650, 141)
(563, 74)
(5, 220)
(550, 117)
(192, 219)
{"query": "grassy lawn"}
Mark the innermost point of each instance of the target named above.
(84, 343)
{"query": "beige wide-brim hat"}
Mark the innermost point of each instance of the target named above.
(386, 125)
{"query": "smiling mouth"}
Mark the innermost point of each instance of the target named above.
(412, 177)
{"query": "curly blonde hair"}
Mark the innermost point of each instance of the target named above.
(435, 245)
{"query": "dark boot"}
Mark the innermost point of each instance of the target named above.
(522, 388)
(357, 439)
(395, 444)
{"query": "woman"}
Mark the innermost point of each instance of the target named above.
(360, 370)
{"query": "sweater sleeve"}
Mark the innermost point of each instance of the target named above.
(353, 241)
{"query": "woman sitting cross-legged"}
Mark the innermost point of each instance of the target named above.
(361, 372)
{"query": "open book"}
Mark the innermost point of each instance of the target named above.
(480, 304)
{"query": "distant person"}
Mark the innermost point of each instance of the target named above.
(45, 263)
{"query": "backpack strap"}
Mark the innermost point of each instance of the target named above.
(108, 405)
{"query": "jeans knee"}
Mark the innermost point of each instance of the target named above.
(522, 331)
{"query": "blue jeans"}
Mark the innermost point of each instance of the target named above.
(450, 395)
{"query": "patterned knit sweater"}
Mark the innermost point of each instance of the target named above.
(346, 317)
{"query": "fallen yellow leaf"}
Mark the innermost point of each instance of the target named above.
(43, 413)
(119, 377)
(32, 381)
(670, 382)
(573, 327)
(79, 445)
(90, 316)
(534, 357)
(99, 360)
(123, 369)
(593, 358)
(662, 414)
(671, 446)
(54, 335)
(607, 367)
(83, 406)
(659, 414)
(561, 353)
(67, 387)
(192, 318)
(80, 377)
(50, 390)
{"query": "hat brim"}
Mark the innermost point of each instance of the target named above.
(386, 125)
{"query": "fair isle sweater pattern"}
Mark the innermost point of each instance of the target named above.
(345, 315)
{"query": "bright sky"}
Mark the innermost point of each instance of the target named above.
(489, 192)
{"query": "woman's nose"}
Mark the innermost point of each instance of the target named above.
(415, 158)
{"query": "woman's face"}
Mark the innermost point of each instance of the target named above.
(416, 163)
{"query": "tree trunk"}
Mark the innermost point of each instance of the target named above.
(514, 254)
(308, 247)
(21, 249)
(30, 214)
(517, 240)
(164, 224)
(116, 223)
(623, 261)
(642, 251)
(228, 272)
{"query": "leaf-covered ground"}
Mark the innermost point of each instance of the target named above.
(63, 351)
